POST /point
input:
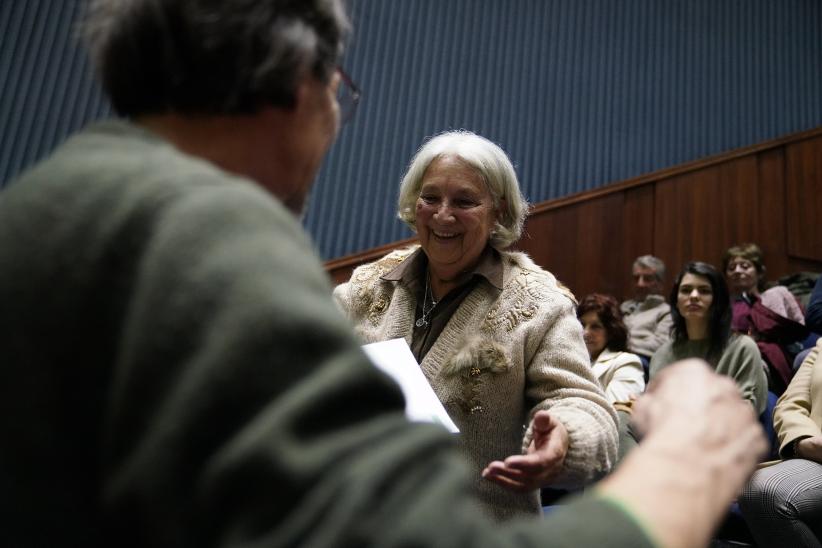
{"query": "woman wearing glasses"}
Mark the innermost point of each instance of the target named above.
(495, 335)
(701, 311)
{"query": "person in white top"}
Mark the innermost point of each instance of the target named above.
(619, 372)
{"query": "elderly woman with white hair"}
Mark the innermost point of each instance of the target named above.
(496, 335)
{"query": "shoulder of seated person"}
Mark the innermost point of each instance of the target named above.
(372, 271)
(628, 306)
(655, 300)
(742, 340)
(777, 291)
(619, 355)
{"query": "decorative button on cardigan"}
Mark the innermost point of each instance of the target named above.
(502, 356)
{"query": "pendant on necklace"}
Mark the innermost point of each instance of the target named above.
(421, 322)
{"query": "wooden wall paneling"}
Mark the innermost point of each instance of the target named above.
(601, 249)
(669, 242)
(637, 234)
(535, 240)
(340, 269)
(770, 193)
(340, 275)
(796, 264)
(704, 194)
(550, 240)
(675, 212)
(771, 225)
(803, 178)
(736, 217)
(581, 244)
(700, 214)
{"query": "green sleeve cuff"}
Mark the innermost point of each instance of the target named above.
(596, 520)
(625, 509)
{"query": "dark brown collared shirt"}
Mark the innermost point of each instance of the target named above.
(412, 273)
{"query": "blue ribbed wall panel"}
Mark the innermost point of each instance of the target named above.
(579, 92)
(46, 88)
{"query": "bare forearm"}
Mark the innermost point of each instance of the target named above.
(696, 454)
(673, 495)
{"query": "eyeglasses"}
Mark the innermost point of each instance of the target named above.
(348, 96)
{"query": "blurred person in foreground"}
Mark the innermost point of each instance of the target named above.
(494, 334)
(174, 371)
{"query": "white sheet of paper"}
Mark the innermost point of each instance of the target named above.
(421, 403)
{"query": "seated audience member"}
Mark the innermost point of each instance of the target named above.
(782, 503)
(701, 312)
(772, 316)
(495, 334)
(619, 372)
(744, 269)
(647, 315)
(174, 371)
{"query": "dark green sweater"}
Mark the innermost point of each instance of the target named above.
(174, 373)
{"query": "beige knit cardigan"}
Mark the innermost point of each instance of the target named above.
(502, 356)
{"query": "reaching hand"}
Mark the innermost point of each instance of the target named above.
(702, 441)
(540, 464)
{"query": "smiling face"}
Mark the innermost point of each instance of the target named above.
(595, 334)
(694, 299)
(742, 276)
(454, 216)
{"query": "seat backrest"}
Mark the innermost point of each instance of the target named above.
(766, 420)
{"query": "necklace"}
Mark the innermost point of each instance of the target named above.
(423, 320)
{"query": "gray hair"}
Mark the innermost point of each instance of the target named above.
(654, 263)
(201, 57)
(490, 162)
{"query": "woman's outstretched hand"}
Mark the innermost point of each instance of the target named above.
(540, 464)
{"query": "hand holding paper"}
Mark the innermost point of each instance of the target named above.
(421, 403)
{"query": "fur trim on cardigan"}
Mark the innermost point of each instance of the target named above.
(502, 356)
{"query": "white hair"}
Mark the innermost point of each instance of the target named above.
(493, 166)
(654, 263)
